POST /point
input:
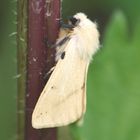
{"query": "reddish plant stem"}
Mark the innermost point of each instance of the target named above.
(42, 22)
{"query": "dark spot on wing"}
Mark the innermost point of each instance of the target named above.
(63, 55)
(53, 87)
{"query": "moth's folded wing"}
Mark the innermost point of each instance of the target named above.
(62, 101)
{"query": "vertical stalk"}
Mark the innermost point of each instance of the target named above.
(42, 23)
(21, 66)
(35, 60)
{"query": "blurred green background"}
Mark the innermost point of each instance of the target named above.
(7, 71)
(113, 87)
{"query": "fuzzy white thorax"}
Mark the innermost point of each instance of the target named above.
(87, 36)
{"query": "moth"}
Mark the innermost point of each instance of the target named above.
(63, 99)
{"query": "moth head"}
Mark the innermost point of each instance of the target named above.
(73, 21)
(78, 20)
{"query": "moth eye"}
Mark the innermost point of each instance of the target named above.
(74, 21)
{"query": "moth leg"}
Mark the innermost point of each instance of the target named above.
(63, 41)
(60, 43)
(49, 72)
(47, 42)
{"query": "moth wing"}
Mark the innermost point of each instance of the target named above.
(62, 100)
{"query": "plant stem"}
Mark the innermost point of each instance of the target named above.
(34, 60)
(42, 23)
(21, 66)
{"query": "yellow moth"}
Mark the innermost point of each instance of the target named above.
(63, 99)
